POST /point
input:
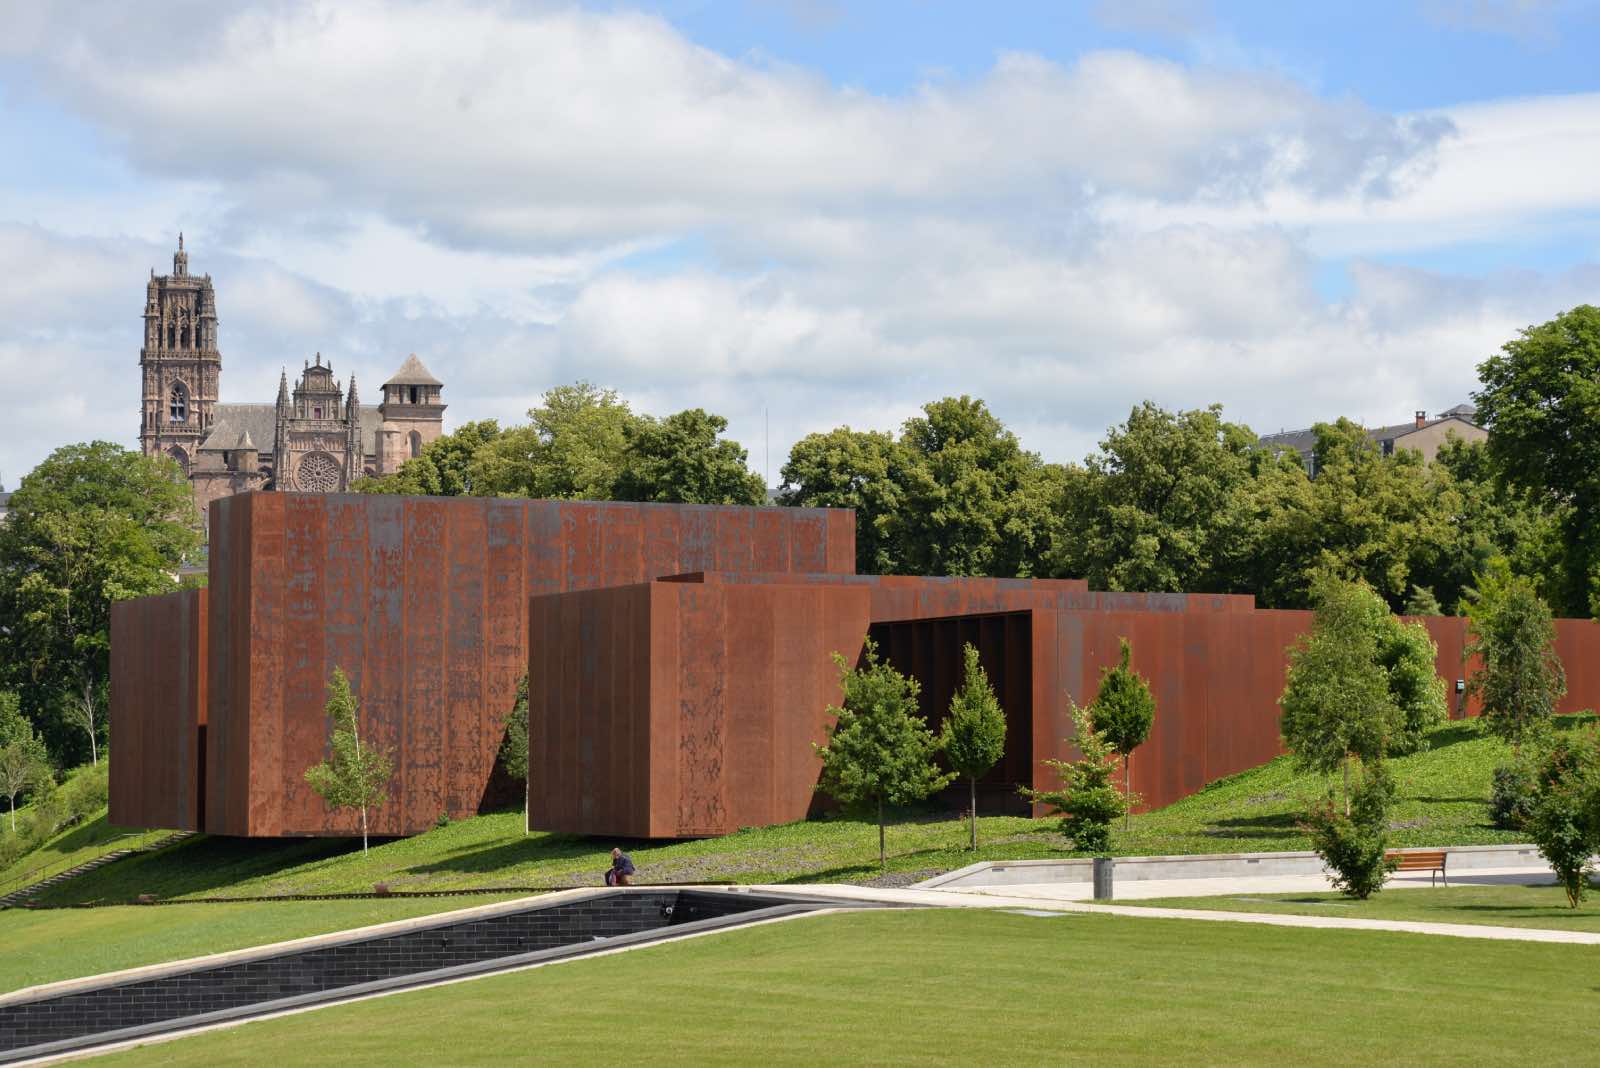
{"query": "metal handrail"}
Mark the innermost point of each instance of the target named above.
(68, 863)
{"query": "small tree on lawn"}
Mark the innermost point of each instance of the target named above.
(514, 746)
(356, 776)
(879, 751)
(1337, 703)
(1088, 801)
(1123, 711)
(23, 761)
(1564, 819)
(974, 737)
(1519, 677)
(1354, 844)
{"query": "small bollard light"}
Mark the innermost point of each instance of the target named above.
(1102, 878)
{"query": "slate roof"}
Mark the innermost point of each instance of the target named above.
(412, 373)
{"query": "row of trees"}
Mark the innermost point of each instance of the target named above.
(880, 752)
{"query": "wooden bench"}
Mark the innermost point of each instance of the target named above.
(1428, 860)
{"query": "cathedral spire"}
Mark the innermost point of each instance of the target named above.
(180, 259)
(352, 402)
(283, 389)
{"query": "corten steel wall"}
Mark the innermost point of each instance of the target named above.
(158, 710)
(679, 709)
(423, 603)
(931, 651)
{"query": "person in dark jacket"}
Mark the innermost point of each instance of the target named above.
(621, 869)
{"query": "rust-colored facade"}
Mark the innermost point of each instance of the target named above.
(678, 656)
(158, 706)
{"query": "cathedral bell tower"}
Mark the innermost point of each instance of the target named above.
(179, 362)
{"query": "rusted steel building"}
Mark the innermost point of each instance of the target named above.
(679, 660)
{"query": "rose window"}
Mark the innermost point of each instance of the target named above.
(318, 473)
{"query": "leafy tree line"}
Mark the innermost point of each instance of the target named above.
(583, 442)
(93, 524)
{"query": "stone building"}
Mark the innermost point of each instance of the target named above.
(318, 437)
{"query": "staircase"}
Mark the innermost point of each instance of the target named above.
(28, 893)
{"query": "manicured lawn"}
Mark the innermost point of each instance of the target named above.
(46, 946)
(1503, 906)
(1442, 801)
(68, 848)
(958, 986)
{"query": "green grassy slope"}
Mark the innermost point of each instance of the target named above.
(43, 947)
(961, 986)
(1443, 791)
(70, 847)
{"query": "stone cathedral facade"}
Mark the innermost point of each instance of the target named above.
(317, 437)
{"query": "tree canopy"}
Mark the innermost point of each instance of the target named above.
(974, 734)
(1511, 644)
(92, 524)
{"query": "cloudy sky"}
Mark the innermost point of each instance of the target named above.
(801, 214)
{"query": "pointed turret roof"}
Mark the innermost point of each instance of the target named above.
(413, 373)
(245, 442)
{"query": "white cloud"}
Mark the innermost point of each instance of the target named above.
(528, 197)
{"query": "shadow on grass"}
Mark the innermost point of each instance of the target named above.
(513, 854)
(196, 868)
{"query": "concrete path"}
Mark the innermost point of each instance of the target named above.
(1041, 899)
(1234, 886)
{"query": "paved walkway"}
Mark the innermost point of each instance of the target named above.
(1233, 886)
(1066, 897)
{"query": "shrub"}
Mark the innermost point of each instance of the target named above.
(1089, 800)
(1353, 846)
(1512, 796)
(1563, 822)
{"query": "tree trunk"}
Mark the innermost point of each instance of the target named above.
(363, 829)
(883, 863)
(88, 721)
(13, 813)
(973, 779)
(1127, 789)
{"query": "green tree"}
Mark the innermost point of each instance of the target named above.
(1154, 508)
(1539, 402)
(879, 751)
(1422, 602)
(1088, 801)
(1482, 517)
(683, 459)
(859, 469)
(443, 469)
(1564, 819)
(92, 524)
(1515, 671)
(574, 448)
(23, 760)
(1123, 712)
(1337, 704)
(514, 746)
(974, 735)
(353, 776)
(975, 502)
(1362, 517)
(1354, 843)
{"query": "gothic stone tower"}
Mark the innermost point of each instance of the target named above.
(319, 434)
(179, 362)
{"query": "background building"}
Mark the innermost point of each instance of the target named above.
(317, 437)
(1424, 435)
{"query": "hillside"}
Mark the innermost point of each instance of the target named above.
(1442, 802)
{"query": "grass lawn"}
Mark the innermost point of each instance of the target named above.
(1442, 801)
(70, 847)
(953, 985)
(43, 947)
(1503, 906)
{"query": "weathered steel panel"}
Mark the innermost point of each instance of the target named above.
(157, 714)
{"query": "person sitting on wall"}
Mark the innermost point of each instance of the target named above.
(621, 868)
